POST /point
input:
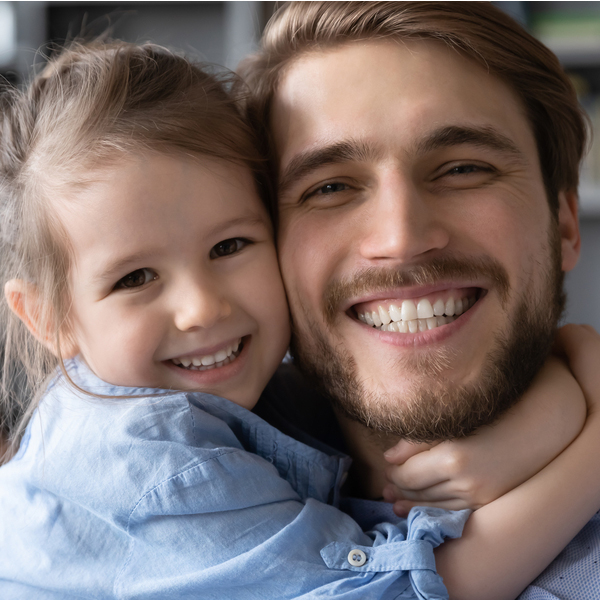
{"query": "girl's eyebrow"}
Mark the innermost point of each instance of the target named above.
(115, 267)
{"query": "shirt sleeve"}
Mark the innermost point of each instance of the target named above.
(230, 527)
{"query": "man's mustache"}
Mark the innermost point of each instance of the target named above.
(377, 280)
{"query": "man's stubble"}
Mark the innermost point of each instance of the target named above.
(433, 408)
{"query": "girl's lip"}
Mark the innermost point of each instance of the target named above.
(209, 350)
(198, 380)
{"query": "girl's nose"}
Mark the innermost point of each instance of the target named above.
(200, 306)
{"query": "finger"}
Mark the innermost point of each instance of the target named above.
(402, 507)
(422, 470)
(404, 450)
(437, 493)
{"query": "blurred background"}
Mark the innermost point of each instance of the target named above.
(224, 32)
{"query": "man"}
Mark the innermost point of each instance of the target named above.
(427, 170)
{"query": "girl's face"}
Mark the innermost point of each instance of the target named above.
(175, 282)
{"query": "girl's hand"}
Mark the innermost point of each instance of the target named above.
(473, 471)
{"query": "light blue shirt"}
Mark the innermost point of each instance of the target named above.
(191, 496)
(295, 408)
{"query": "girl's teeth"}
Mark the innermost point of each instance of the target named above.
(210, 361)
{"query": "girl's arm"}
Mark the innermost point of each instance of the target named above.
(473, 471)
(508, 542)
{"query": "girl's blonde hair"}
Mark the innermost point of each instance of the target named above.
(91, 104)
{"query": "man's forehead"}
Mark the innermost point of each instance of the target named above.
(381, 91)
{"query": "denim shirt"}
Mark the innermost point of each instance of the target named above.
(187, 495)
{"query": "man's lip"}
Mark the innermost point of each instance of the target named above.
(408, 293)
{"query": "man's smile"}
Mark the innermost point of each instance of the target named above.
(412, 315)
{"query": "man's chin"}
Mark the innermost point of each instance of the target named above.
(429, 406)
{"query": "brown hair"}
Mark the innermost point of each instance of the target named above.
(478, 29)
(91, 104)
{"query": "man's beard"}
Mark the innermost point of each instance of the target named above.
(435, 409)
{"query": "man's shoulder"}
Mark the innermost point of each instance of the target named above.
(575, 572)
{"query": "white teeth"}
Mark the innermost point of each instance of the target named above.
(395, 313)
(458, 307)
(220, 355)
(424, 309)
(438, 307)
(219, 359)
(412, 317)
(408, 310)
(208, 360)
(384, 316)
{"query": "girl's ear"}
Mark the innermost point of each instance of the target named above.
(25, 301)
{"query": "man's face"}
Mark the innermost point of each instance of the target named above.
(421, 261)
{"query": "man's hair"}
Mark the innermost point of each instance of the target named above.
(476, 29)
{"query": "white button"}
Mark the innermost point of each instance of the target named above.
(357, 558)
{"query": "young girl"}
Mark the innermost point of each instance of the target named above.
(139, 256)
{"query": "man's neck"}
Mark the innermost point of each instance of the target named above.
(366, 447)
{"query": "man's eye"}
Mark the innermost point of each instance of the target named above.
(327, 189)
(136, 278)
(331, 188)
(465, 170)
(228, 247)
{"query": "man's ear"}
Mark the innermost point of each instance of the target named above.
(568, 226)
(26, 302)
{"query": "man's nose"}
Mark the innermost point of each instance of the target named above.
(402, 223)
(199, 304)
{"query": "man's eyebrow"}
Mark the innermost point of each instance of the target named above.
(308, 161)
(456, 135)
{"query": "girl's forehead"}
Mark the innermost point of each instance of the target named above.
(162, 203)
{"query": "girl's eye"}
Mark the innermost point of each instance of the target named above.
(136, 278)
(228, 247)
